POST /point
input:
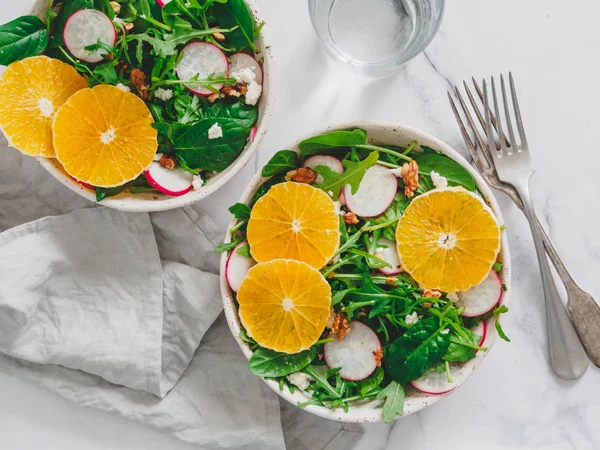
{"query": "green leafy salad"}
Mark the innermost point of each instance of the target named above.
(195, 63)
(388, 334)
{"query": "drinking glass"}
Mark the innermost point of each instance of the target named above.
(376, 36)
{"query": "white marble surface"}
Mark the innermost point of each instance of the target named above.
(513, 400)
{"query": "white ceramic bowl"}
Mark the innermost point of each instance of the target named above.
(386, 134)
(146, 202)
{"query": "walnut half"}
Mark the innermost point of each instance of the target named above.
(301, 175)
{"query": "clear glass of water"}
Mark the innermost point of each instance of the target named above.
(376, 36)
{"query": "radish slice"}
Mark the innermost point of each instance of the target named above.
(375, 193)
(174, 182)
(354, 354)
(253, 132)
(237, 268)
(241, 61)
(202, 60)
(481, 298)
(386, 250)
(163, 3)
(481, 330)
(435, 382)
(324, 160)
(87, 27)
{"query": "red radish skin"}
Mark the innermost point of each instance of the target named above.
(82, 183)
(375, 193)
(253, 132)
(86, 27)
(354, 354)
(389, 254)
(237, 268)
(202, 59)
(481, 330)
(174, 182)
(163, 3)
(324, 160)
(482, 298)
(241, 61)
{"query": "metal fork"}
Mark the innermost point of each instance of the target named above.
(507, 166)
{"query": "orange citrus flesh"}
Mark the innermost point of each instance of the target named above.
(284, 305)
(104, 136)
(294, 221)
(448, 239)
(32, 91)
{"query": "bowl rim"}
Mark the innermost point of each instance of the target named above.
(371, 412)
(146, 202)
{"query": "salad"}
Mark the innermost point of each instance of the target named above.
(361, 272)
(193, 65)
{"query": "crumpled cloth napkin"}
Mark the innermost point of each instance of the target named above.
(114, 311)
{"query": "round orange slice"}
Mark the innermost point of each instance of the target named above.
(448, 239)
(32, 90)
(104, 136)
(294, 221)
(284, 305)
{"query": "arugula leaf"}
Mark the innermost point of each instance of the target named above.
(332, 140)
(366, 386)
(389, 219)
(240, 211)
(21, 38)
(497, 267)
(226, 246)
(282, 161)
(244, 250)
(456, 174)
(269, 363)
(235, 13)
(394, 401)
(422, 346)
(353, 175)
(497, 311)
(105, 7)
(457, 352)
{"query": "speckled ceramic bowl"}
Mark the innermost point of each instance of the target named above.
(146, 202)
(386, 134)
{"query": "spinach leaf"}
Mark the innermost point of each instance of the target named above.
(366, 386)
(457, 352)
(282, 161)
(394, 401)
(497, 311)
(332, 140)
(353, 175)
(422, 346)
(269, 363)
(21, 38)
(240, 211)
(237, 110)
(456, 174)
(105, 7)
(235, 13)
(102, 193)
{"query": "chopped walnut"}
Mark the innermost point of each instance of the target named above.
(361, 313)
(320, 356)
(350, 218)
(218, 36)
(214, 97)
(243, 89)
(301, 175)
(341, 326)
(116, 7)
(331, 318)
(410, 175)
(391, 281)
(138, 79)
(168, 162)
(378, 354)
(427, 304)
(433, 293)
(230, 91)
(128, 27)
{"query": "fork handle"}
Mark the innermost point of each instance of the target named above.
(567, 355)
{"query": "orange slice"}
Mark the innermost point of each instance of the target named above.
(448, 239)
(104, 136)
(294, 221)
(284, 305)
(32, 90)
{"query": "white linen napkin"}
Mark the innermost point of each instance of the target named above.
(111, 310)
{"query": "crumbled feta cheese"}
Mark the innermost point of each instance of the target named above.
(215, 131)
(197, 182)
(379, 250)
(330, 193)
(452, 297)
(338, 207)
(123, 87)
(396, 172)
(245, 76)
(163, 94)
(300, 380)
(439, 181)
(254, 93)
(445, 331)
(157, 157)
(411, 319)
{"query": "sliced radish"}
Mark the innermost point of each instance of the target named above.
(355, 353)
(174, 182)
(241, 61)
(375, 193)
(237, 268)
(324, 160)
(435, 382)
(163, 3)
(386, 250)
(202, 60)
(481, 330)
(87, 27)
(481, 298)
(253, 132)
